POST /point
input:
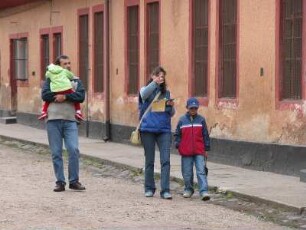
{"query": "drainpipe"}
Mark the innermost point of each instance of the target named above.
(107, 135)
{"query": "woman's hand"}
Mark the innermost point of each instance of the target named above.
(159, 79)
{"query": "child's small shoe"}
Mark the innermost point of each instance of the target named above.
(79, 116)
(187, 194)
(43, 116)
(204, 196)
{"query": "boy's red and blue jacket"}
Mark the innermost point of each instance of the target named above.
(191, 136)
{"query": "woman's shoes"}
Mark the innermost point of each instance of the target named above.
(149, 194)
(166, 195)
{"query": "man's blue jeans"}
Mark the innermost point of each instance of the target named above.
(187, 172)
(59, 130)
(163, 141)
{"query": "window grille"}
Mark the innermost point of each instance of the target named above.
(200, 47)
(133, 48)
(57, 45)
(98, 52)
(227, 48)
(83, 49)
(152, 36)
(291, 49)
(44, 54)
(20, 59)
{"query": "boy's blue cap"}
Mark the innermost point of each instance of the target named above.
(192, 103)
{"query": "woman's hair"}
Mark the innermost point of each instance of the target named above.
(156, 71)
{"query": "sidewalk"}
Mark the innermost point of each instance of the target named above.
(276, 189)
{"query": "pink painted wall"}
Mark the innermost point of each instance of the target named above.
(253, 117)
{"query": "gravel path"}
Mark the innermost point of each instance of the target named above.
(112, 201)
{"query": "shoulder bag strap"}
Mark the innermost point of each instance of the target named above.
(147, 110)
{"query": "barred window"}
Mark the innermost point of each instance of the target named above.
(57, 45)
(227, 49)
(133, 48)
(44, 59)
(200, 47)
(98, 51)
(291, 18)
(152, 55)
(83, 49)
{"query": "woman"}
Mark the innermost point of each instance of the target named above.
(156, 129)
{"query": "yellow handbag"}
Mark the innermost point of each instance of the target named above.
(135, 137)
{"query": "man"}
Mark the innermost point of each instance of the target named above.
(62, 125)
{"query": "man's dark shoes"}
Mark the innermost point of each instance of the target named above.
(76, 186)
(59, 188)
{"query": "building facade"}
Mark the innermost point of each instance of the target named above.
(243, 59)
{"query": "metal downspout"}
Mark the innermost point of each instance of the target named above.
(107, 133)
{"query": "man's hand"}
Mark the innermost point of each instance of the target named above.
(59, 98)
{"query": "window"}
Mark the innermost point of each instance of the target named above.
(51, 46)
(20, 58)
(45, 60)
(57, 45)
(152, 36)
(83, 48)
(200, 48)
(98, 51)
(227, 73)
(133, 48)
(291, 18)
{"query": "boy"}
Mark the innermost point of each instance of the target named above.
(192, 141)
(61, 84)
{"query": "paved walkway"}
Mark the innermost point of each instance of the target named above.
(273, 188)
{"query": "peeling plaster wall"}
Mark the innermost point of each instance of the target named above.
(290, 126)
(30, 18)
(5, 99)
(255, 117)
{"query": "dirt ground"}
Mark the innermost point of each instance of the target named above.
(112, 200)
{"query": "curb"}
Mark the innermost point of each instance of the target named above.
(259, 200)
(215, 189)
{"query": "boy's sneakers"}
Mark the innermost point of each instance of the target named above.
(79, 116)
(187, 194)
(42, 116)
(204, 196)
